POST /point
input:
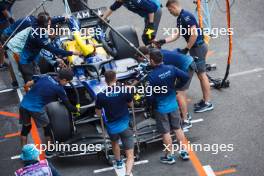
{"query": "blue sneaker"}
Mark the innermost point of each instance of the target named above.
(119, 164)
(203, 107)
(184, 155)
(169, 159)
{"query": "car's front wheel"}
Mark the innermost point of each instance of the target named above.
(61, 121)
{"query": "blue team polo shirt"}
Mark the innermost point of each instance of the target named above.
(165, 75)
(44, 91)
(185, 21)
(177, 59)
(140, 7)
(115, 110)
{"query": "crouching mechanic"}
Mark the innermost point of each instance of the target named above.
(45, 90)
(32, 164)
(115, 105)
(165, 104)
(150, 10)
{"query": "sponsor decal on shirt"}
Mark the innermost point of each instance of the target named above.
(165, 75)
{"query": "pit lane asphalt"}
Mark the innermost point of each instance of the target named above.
(237, 118)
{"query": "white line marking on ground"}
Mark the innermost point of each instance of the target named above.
(208, 170)
(15, 157)
(20, 95)
(197, 120)
(247, 72)
(112, 168)
(103, 170)
(6, 90)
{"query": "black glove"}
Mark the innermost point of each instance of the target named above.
(159, 43)
(183, 51)
(70, 107)
(150, 26)
(11, 20)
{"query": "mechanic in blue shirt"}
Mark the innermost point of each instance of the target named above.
(150, 10)
(5, 16)
(166, 109)
(184, 63)
(45, 90)
(30, 21)
(189, 29)
(20, 25)
(115, 106)
(5, 20)
(36, 41)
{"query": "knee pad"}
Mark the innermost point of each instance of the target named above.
(25, 130)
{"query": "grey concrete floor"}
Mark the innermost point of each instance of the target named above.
(237, 118)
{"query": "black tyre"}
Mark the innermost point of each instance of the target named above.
(123, 48)
(61, 121)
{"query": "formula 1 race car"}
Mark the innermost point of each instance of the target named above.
(101, 52)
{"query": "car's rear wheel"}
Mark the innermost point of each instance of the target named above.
(61, 121)
(124, 50)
